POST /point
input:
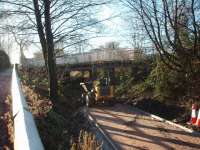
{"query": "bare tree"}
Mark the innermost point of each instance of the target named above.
(174, 28)
(23, 42)
(54, 21)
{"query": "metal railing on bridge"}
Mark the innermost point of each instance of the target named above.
(26, 135)
(88, 57)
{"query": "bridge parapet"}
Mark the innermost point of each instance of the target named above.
(89, 57)
(99, 56)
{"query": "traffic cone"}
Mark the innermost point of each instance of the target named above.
(194, 114)
(198, 120)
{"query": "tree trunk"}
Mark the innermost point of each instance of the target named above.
(40, 30)
(51, 58)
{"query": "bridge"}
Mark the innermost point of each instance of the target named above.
(107, 56)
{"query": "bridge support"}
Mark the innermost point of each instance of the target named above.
(94, 73)
(111, 74)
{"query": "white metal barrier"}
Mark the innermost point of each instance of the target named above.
(26, 136)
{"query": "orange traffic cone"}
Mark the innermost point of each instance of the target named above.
(194, 114)
(198, 120)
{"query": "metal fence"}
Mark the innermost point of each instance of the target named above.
(26, 135)
(87, 57)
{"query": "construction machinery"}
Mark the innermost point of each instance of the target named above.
(97, 91)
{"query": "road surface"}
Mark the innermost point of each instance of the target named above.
(132, 130)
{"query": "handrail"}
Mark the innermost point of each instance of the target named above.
(26, 136)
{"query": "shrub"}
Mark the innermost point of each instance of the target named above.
(4, 60)
(167, 83)
(132, 81)
(86, 141)
(162, 83)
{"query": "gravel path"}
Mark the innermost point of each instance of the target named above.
(5, 79)
(132, 130)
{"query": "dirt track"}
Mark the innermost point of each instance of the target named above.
(132, 130)
(5, 141)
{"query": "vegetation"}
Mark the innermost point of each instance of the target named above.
(161, 90)
(86, 142)
(5, 61)
(64, 125)
(173, 28)
(55, 22)
(6, 125)
(136, 75)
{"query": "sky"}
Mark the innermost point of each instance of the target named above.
(114, 27)
(113, 30)
(111, 26)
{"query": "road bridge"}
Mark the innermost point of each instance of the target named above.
(99, 57)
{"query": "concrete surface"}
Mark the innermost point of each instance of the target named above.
(131, 129)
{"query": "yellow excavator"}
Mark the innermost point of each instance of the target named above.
(97, 91)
